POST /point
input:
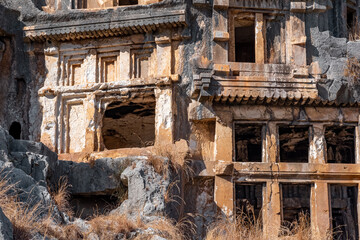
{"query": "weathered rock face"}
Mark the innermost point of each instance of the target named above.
(253, 86)
(27, 165)
(102, 177)
(148, 191)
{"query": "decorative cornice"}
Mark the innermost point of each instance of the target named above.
(255, 85)
(98, 28)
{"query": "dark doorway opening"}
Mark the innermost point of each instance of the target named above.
(295, 201)
(294, 143)
(340, 144)
(245, 43)
(15, 130)
(248, 140)
(129, 125)
(344, 217)
(86, 207)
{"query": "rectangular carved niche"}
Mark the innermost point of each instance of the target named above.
(294, 143)
(248, 197)
(75, 74)
(344, 216)
(72, 72)
(340, 144)
(248, 142)
(109, 69)
(141, 63)
(295, 201)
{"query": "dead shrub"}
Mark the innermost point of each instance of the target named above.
(107, 227)
(61, 196)
(245, 226)
(354, 32)
(297, 230)
(352, 70)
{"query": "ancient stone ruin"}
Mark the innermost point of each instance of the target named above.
(262, 96)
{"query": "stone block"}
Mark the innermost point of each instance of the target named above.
(224, 168)
(221, 36)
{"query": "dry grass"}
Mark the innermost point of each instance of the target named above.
(169, 229)
(354, 32)
(248, 227)
(23, 218)
(352, 70)
(245, 227)
(297, 230)
(107, 227)
(61, 196)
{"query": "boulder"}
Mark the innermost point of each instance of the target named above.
(100, 177)
(147, 191)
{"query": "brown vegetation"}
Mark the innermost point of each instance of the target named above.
(352, 70)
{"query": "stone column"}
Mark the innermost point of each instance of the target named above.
(259, 38)
(90, 67)
(220, 31)
(320, 212)
(90, 131)
(124, 63)
(358, 206)
(317, 144)
(224, 189)
(163, 53)
(164, 119)
(271, 143)
(272, 209)
(320, 223)
(271, 195)
(357, 144)
(298, 35)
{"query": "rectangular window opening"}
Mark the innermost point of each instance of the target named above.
(294, 144)
(248, 142)
(81, 4)
(344, 212)
(340, 144)
(248, 197)
(127, 2)
(245, 41)
(295, 202)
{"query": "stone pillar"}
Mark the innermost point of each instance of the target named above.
(164, 119)
(259, 38)
(90, 131)
(220, 31)
(272, 210)
(271, 143)
(49, 128)
(271, 195)
(90, 67)
(320, 210)
(163, 54)
(124, 63)
(224, 189)
(298, 35)
(317, 144)
(358, 206)
(357, 144)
